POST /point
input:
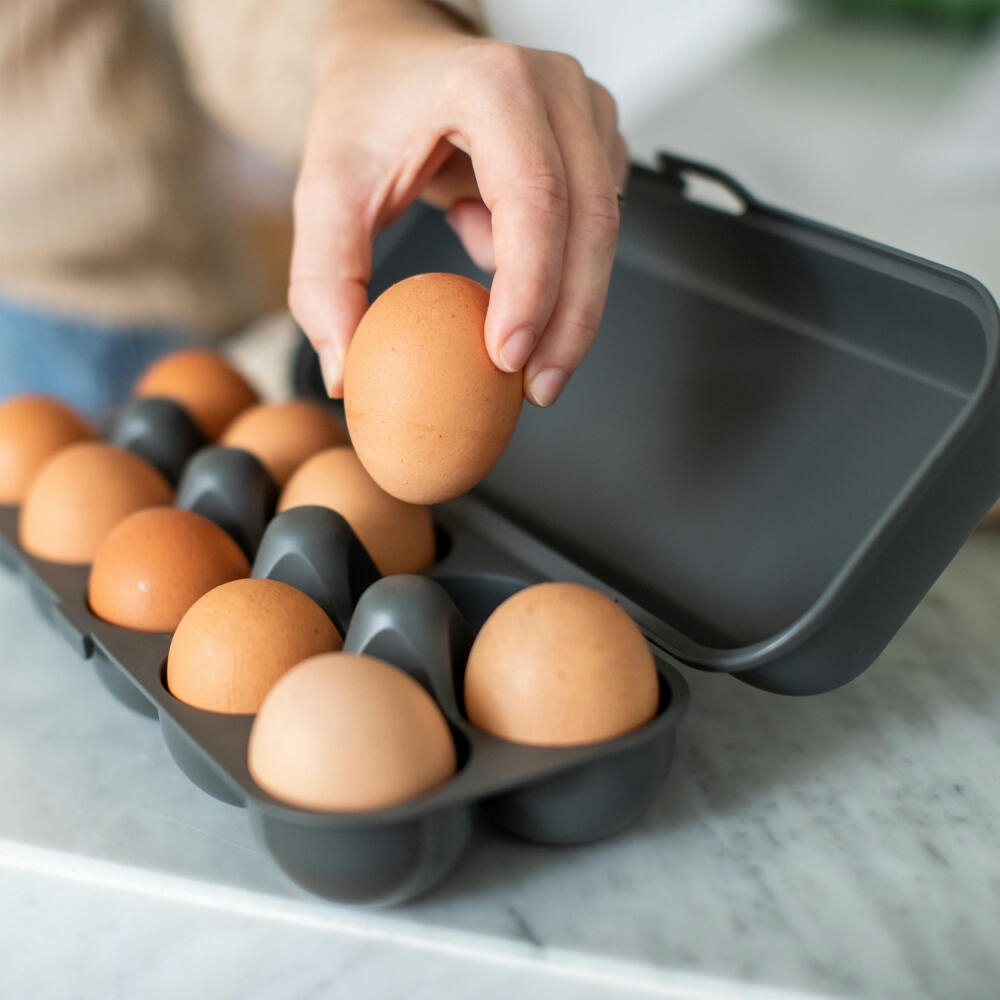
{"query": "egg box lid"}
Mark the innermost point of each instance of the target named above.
(780, 438)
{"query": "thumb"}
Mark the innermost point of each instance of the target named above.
(331, 267)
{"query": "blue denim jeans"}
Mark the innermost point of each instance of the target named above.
(91, 365)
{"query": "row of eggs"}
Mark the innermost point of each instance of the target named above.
(556, 664)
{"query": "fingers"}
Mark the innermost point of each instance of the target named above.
(525, 153)
(331, 265)
(605, 113)
(454, 180)
(520, 173)
(591, 238)
(472, 222)
(620, 163)
(454, 188)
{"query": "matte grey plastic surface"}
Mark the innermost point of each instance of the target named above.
(315, 550)
(231, 487)
(560, 795)
(159, 430)
(780, 438)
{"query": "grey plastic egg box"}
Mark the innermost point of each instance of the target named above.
(563, 795)
(780, 438)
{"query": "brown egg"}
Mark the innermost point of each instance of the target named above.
(80, 494)
(559, 664)
(236, 641)
(398, 536)
(284, 435)
(155, 564)
(349, 733)
(32, 430)
(428, 411)
(203, 382)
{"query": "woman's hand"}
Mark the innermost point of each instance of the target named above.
(518, 145)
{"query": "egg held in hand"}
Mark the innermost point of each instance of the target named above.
(559, 664)
(156, 563)
(32, 430)
(398, 536)
(234, 643)
(349, 733)
(428, 412)
(80, 494)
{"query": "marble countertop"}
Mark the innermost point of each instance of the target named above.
(844, 845)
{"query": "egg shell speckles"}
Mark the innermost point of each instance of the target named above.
(234, 643)
(428, 412)
(156, 563)
(559, 664)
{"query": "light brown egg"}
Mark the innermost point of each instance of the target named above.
(234, 643)
(559, 664)
(156, 563)
(284, 435)
(398, 536)
(349, 733)
(428, 411)
(32, 430)
(203, 382)
(80, 494)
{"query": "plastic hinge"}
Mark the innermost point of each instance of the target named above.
(673, 168)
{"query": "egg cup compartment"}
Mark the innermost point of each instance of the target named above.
(110, 646)
(373, 859)
(555, 795)
(207, 763)
(160, 431)
(120, 686)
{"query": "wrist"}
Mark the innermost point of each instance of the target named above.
(358, 25)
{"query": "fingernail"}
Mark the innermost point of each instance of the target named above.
(515, 350)
(544, 388)
(331, 359)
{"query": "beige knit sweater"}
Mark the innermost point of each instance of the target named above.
(107, 210)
